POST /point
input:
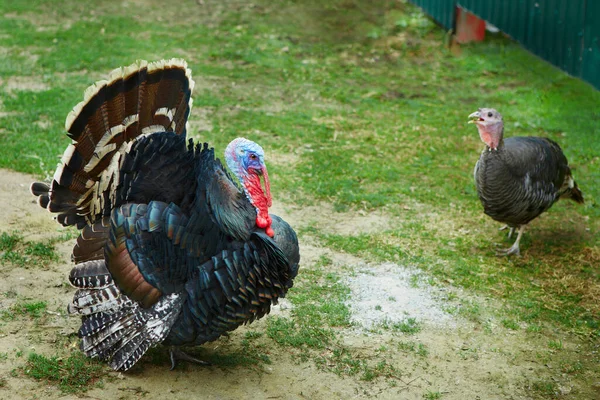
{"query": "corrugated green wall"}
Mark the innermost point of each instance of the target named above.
(441, 10)
(590, 66)
(566, 33)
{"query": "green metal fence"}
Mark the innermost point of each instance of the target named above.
(565, 33)
(590, 65)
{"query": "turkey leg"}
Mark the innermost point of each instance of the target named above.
(176, 354)
(514, 249)
(510, 233)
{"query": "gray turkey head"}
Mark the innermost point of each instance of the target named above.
(490, 126)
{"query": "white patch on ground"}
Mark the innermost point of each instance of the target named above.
(386, 293)
(282, 309)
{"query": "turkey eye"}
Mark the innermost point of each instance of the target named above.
(490, 114)
(253, 156)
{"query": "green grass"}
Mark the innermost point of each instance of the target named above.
(412, 347)
(571, 367)
(510, 324)
(33, 309)
(319, 307)
(430, 395)
(14, 250)
(344, 362)
(72, 374)
(555, 344)
(547, 389)
(292, 332)
(8, 241)
(409, 326)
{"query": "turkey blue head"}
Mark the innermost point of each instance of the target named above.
(246, 160)
(490, 125)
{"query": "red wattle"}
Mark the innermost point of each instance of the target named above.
(261, 222)
(269, 231)
(260, 200)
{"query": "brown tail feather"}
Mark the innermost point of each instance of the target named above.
(91, 241)
(39, 188)
(570, 190)
(137, 100)
(576, 195)
(124, 271)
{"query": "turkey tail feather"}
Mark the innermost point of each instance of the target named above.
(570, 190)
(39, 188)
(114, 327)
(135, 101)
(576, 195)
(91, 241)
(90, 275)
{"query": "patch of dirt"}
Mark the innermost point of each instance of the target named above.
(25, 53)
(448, 355)
(22, 83)
(324, 217)
(201, 122)
(41, 23)
(284, 158)
(92, 76)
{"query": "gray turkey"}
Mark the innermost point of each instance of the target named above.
(171, 250)
(519, 178)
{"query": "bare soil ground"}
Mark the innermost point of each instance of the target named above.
(463, 361)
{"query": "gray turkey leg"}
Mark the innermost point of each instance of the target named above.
(514, 249)
(510, 232)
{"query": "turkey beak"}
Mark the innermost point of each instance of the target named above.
(474, 117)
(267, 189)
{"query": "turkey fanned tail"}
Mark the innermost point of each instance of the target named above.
(135, 102)
(114, 327)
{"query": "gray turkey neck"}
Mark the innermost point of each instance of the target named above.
(521, 179)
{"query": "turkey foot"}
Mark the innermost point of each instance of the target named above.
(510, 233)
(514, 249)
(176, 354)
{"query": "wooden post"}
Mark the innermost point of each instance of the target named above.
(469, 27)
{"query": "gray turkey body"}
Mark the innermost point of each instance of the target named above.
(519, 178)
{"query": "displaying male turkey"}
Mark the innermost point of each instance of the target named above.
(171, 250)
(519, 178)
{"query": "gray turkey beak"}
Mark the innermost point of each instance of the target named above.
(474, 117)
